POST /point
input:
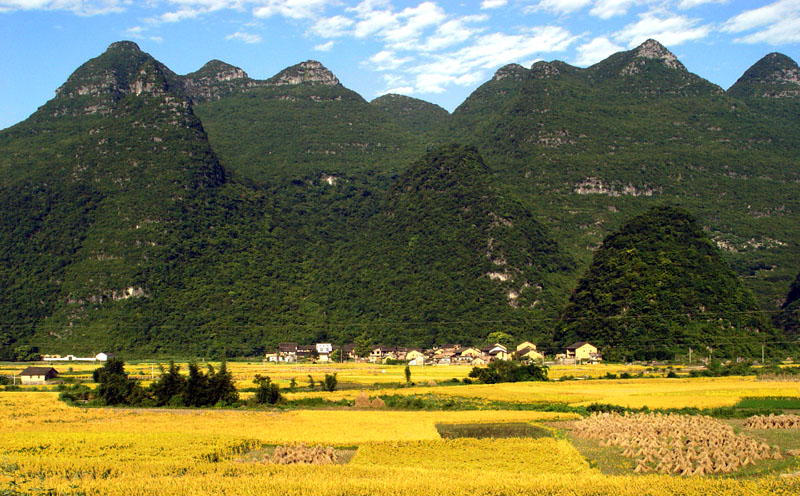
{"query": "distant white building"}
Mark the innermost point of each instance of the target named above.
(324, 351)
(100, 357)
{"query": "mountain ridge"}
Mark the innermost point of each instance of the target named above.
(214, 213)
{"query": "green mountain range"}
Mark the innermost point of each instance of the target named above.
(151, 213)
(658, 286)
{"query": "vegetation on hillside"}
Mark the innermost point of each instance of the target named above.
(788, 319)
(212, 214)
(659, 286)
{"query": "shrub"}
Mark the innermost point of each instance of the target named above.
(507, 371)
(114, 386)
(330, 382)
(268, 392)
(77, 394)
(169, 385)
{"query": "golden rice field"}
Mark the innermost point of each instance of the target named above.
(47, 447)
(634, 393)
(706, 392)
(359, 373)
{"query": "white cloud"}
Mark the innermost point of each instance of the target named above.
(180, 15)
(596, 50)
(80, 7)
(411, 22)
(244, 37)
(324, 47)
(493, 4)
(395, 84)
(470, 64)
(387, 60)
(332, 27)
(139, 33)
(399, 90)
(606, 9)
(669, 30)
(135, 31)
(293, 9)
(690, 4)
(561, 6)
(373, 22)
(777, 23)
(452, 32)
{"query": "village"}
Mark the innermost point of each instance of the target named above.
(579, 352)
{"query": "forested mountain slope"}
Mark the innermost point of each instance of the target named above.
(588, 148)
(658, 287)
(157, 214)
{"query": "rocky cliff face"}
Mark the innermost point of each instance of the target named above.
(513, 71)
(774, 76)
(308, 72)
(215, 80)
(123, 69)
(646, 53)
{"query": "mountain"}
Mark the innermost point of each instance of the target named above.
(414, 114)
(95, 189)
(657, 287)
(303, 123)
(211, 213)
(580, 146)
(788, 319)
(774, 76)
(450, 258)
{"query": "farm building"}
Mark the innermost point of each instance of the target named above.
(583, 351)
(37, 375)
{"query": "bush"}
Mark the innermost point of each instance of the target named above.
(113, 385)
(268, 392)
(507, 371)
(330, 382)
(77, 394)
(170, 385)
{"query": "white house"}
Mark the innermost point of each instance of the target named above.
(324, 351)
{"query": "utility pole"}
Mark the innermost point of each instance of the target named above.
(762, 353)
(690, 356)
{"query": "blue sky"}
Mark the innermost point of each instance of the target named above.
(435, 50)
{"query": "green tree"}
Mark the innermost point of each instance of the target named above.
(113, 385)
(508, 371)
(169, 387)
(408, 374)
(500, 337)
(25, 353)
(196, 392)
(268, 392)
(221, 387)
(330, 382)
(363, 345)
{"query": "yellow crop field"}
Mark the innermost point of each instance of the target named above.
(349, 372)
(47, 447)
(634, 393)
